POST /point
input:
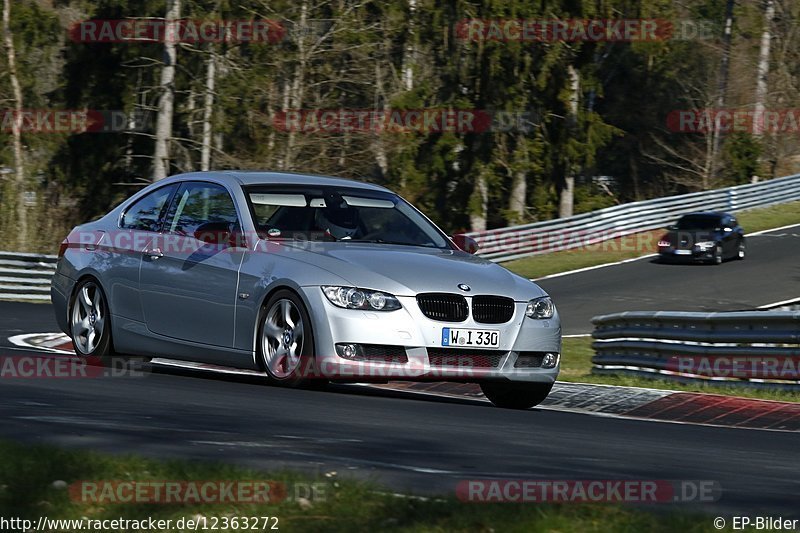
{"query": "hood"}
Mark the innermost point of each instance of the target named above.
(408, 270)
(687, 238)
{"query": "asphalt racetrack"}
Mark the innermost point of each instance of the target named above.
(770, 273)
(403, 442)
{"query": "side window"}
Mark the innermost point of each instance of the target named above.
(204, 211)
(146, 213)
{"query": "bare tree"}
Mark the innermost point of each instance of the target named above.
(16, 127)
(410, 52)
(519, 183)
(479, 203)
(567, 193)
(166, 101)
(722, 84)
(688, 157)
(763, 66)
(298, 85)
(208, 109)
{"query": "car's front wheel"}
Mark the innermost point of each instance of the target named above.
(90, 326)
(516, 395)
(286, 341)
(717, 259)
(741, 251)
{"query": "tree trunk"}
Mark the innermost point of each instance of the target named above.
(16, 130)
(208, 110)
(567, 198)
(722, 87)
(378, 148)
(167, 99)
(298, 84)
(567, 193)
(519, 184)
(763, 67)
(410, 52)
(477, 217)
(516, 204)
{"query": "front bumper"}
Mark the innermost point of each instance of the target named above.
(690, 255)
(410, 334)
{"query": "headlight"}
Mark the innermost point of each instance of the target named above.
(540, 308)
(705, 245)
(355, 298)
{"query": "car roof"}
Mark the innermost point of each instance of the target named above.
(707, 214)
(265, 177)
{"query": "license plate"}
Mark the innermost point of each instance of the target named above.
(486, 338)
(683, 252)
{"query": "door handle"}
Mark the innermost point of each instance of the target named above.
(155, 253)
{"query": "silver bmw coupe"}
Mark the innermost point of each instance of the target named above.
(307, 279)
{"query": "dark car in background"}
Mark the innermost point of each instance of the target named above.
(708, 237)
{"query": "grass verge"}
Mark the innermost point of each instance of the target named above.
(640, 244)
(576, 366)
(28, 473)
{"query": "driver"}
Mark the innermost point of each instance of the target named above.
(341, 223)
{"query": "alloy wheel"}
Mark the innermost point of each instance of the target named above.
(282, 338)
(88, 318)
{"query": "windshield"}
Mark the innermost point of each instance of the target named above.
(698, 222)
(336, 214)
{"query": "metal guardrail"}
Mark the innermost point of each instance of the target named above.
(515, 242)
(759, 348)
(26, 276)
(22, 276)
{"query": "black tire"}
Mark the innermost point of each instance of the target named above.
(304, 374)
(741, 250)
(101, 351)
(515, 395)
(718, 256)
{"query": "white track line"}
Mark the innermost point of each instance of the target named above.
(586, 269)
(779, 304)
(763, 231)
(22, 340)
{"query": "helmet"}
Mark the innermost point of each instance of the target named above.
(339, 222)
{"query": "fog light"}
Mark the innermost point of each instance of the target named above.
(347, 351)
(549, 360)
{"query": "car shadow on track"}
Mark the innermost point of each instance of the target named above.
(667, 263)
(351, 389)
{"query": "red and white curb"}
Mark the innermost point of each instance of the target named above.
(584, 398)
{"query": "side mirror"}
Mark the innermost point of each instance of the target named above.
(468, 244)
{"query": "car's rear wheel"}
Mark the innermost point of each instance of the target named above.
(90, 324)
(286, 341)
(516, 395)
(741, 250)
